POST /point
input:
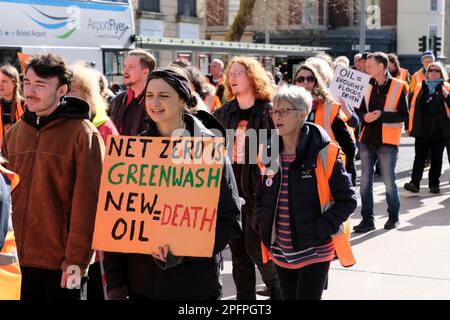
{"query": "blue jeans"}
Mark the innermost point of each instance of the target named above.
(386, 155)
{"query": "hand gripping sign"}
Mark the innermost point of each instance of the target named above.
(157, 191)
(350, 85)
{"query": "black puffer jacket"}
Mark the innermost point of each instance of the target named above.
(182, 277)
(430, 116)
(309, 226)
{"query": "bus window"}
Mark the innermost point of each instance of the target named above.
(9, 55)
(76, 30)
(113, 65)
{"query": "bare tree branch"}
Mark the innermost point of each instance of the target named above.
(269, 15)
(241, 20)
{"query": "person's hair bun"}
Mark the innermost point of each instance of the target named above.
(193, 102)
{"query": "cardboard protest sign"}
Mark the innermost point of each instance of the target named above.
(350, 85)
(156, 191)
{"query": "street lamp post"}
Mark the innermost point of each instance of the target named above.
(362, 26)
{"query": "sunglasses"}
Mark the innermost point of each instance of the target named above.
(302, 79)
(434, 70)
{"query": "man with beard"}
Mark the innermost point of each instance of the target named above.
(128, 107)
(58, 154)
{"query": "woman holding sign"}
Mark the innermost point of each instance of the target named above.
(301, 208)
(328, 114)
(163, 275)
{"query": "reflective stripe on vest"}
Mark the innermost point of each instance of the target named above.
(413, 107)
(10, 275)
(417, 78)
(209, 102)
(392, 132)
(325, 114)
(403, 75)
(447, 86)
(367, 96)
(325, 164)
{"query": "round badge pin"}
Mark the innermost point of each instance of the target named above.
(269, 182)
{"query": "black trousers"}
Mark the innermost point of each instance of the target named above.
(94, 284)
(304, 284)
(422, 147)
(43, 284)
(245, 253)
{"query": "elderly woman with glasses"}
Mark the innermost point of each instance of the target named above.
(334, 117)
(429, 123)
(299, 209)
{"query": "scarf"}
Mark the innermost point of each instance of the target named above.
(432, 85)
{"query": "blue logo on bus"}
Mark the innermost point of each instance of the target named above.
(58, 23)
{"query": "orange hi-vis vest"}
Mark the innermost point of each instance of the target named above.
(417, 78)
(19, 113)
(10, 275)
(326, 113)
(213, 102)
(391, 132)
(414, 101)
(403, 75)
(326, 161)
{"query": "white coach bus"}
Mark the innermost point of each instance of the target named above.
(93, 31)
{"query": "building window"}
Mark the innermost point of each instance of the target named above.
(295, 12)
(432, 31)
(187, 8)
(310, 10)
(433, 5)
(215, 13)
(149, 5)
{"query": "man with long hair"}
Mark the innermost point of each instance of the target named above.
(249, 94)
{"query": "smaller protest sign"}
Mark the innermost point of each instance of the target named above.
(349, 85)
